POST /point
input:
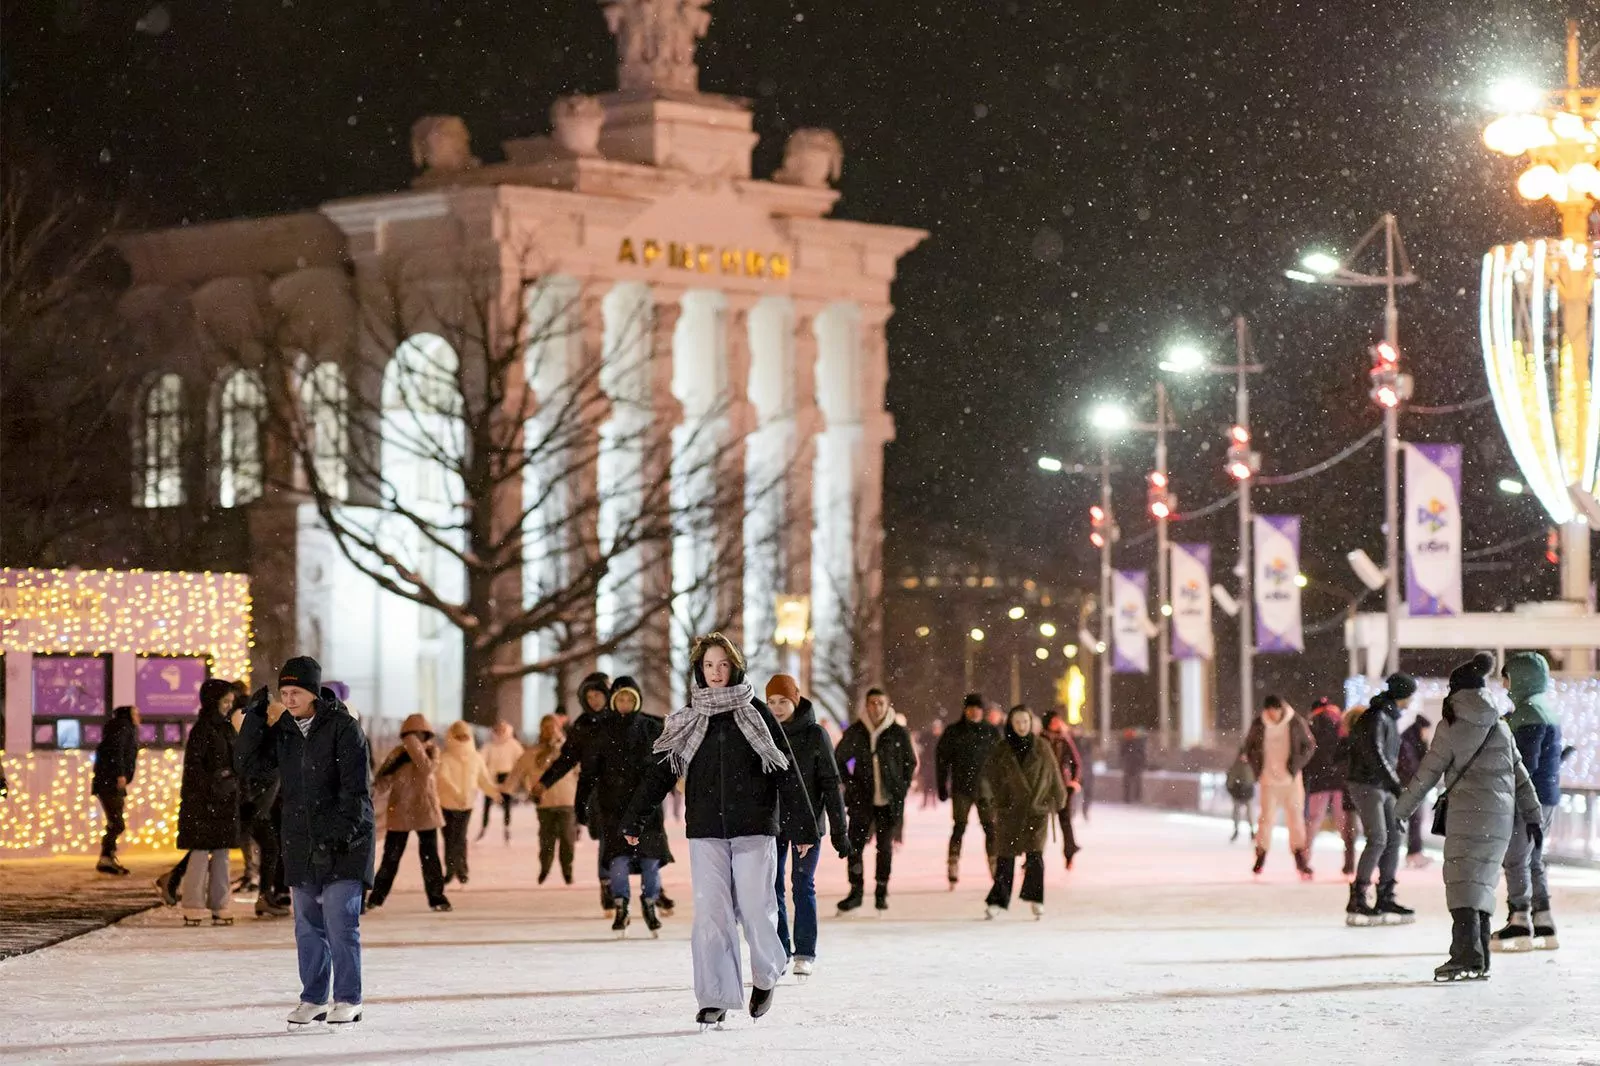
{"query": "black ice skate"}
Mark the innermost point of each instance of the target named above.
(192, 920)
(619, 923)
(1302, 862)
(1261, 860)
(760, 1001)
(1467, 960)
(1358, 911)
(880, 898)
(852, 901)
(647, 908)
(167, 890)
(108, 864)
(608, 903)
(267, 907)
(710, 1018)
(665, 906)
(952, 871)
(222, 919)
(1389, 911)
(1544, 931)
(441, 905)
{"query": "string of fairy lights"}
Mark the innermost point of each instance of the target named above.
(49, 809)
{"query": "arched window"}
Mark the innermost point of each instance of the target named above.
(160, 444)
(240, 406)
(325, 401)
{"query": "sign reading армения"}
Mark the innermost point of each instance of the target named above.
(704, 259)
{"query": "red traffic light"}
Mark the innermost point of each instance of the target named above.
(1386, 354)
(1097, 515)
(1239, 470)
(1098, 539)
(1158, 480)
(1240, 435)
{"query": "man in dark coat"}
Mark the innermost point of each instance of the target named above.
(1135, 759)
(959, 760)
(208, 806)
(594, 703)
(1373, 753)
(324, 770)
(618, 759)
(114, 764)
(877, 763)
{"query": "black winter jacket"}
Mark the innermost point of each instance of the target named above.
(897, 764)
(1412, 749)
(1374, 746)
(117, 756)
(1326, 770)
(325, 786)
(726, 792)
(960, 755)
(619, 759)
(578, 751)
(208, 799)
(812, 753)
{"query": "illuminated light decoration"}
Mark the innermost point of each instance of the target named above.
(976, 634)
(1539, 299)
(1016, 613)
(1041, 654)
(51, 812)
(923, 631)
(1047, 629)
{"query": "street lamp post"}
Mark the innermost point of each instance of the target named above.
(1242, 466)
(1103, 535)
(1327, 270)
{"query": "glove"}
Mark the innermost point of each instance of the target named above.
(1536, 834)
(841, 844)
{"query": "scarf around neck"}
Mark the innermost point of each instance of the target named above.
(686, 727)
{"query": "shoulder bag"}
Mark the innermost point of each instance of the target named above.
(1441, 806)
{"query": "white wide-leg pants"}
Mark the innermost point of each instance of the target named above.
(733, 886)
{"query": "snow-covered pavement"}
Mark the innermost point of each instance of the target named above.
(1159, 947)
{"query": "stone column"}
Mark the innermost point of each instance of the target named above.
(655, 640)
(877, 432)
(798, 512)
(732, 494)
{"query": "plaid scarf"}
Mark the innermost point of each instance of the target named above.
(686, 727)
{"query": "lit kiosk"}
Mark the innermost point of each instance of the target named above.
(77, 643)
(761, 319)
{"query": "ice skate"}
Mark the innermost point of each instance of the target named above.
(1038, 911)
(166, 890)
(1515, 936)
(344, 1014)
(850, 902)
(1358, 912)
(1261, 861)
(880, 899)
(1544, 931)
(760, 1001)
(619, 923)
(1302, 863)
(441, 905)
(1391, 912)
(952, 871)
(607, 902)
(1460, 971)
(266, 908)
(221, 918)
(711, 1018)
(651, 922)
(991, 912)
(308, 1017)
(802, 969)
(664, 905)
(108, 864)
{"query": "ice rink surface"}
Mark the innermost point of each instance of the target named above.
(1158, 948)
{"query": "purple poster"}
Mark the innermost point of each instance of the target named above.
(166, 687)
(69, 687)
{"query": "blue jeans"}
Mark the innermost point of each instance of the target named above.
(327, 934)
(649, 877)
(804, 885)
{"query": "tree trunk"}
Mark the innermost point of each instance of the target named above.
(480, 704)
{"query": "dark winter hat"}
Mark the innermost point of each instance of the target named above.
(214, 693)
(1401, 686)
(595, 682)
(301, 672)
(785, 686)
(1471, 674)
(626, 684)
(974, 699)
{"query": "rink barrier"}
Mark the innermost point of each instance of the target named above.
(1573, 838)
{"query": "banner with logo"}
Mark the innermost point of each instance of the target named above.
(1130, 613)
(1433, 528)
(1277, 564)
(1191, 601)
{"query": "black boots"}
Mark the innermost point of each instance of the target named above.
(852, 901)
(619, 923)
(1302, 862)
(647, 907)
(1469, 954)
(607, 902)
(1392, 912)
(760, 1001)
(880, 898)
(1358, 911)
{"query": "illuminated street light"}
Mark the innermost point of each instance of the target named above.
(1183, 359)
(1166, 610)
(1301, 581)
(1512, 96)
(1320, 264)
(1050, 464)
(1047, 629)
(1110, 417)
(976, 634)
(1100, 647)
(1016, 613)
(1070, 651)
(1512, 486)
(923, 631)
(1041, 653)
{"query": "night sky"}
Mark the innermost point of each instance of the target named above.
(1101, 178)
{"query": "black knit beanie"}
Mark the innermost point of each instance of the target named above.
(302, 672)
(1471, 674)
(1401, 686)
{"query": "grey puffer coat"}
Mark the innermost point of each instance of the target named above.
(1483, 803)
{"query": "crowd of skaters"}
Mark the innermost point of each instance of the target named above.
(287, 775)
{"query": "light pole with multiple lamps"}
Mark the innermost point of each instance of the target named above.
(1103, 533)
(1389, 389)
(1242, 465)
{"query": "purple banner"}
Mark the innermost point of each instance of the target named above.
(1277, 565)
(1130, 614)
(166, 687)
(1432, 527)
(69, 687)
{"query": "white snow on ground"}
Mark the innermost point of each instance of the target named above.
(1160, 947)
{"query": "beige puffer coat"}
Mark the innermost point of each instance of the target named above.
(407, 775)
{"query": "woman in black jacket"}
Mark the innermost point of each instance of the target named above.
(732, 755)
(813, 757)
(619, 758)
(1373, 753)
(208, 808)
(114, 764)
